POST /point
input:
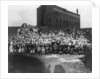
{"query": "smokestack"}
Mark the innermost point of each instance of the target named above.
(77, 11)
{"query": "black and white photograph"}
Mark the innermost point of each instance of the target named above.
(49, 39)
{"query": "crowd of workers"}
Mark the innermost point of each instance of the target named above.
(28, 41)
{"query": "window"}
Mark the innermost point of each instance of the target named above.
(49, 20)
(57, 22)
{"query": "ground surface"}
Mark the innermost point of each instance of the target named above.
(46, 64)
(65, 63)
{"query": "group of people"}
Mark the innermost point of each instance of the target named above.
(28, 41)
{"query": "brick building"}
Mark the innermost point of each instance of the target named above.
(52, 17)
(88, 33)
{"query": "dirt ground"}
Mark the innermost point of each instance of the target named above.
(46, 64)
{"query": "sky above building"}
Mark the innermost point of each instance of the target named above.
(18, 14)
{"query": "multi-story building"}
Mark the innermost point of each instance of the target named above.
(52, 17)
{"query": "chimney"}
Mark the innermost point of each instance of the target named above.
(77, 11)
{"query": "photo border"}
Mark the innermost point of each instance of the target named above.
(4, 43)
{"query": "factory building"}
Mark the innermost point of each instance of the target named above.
(52, 17)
